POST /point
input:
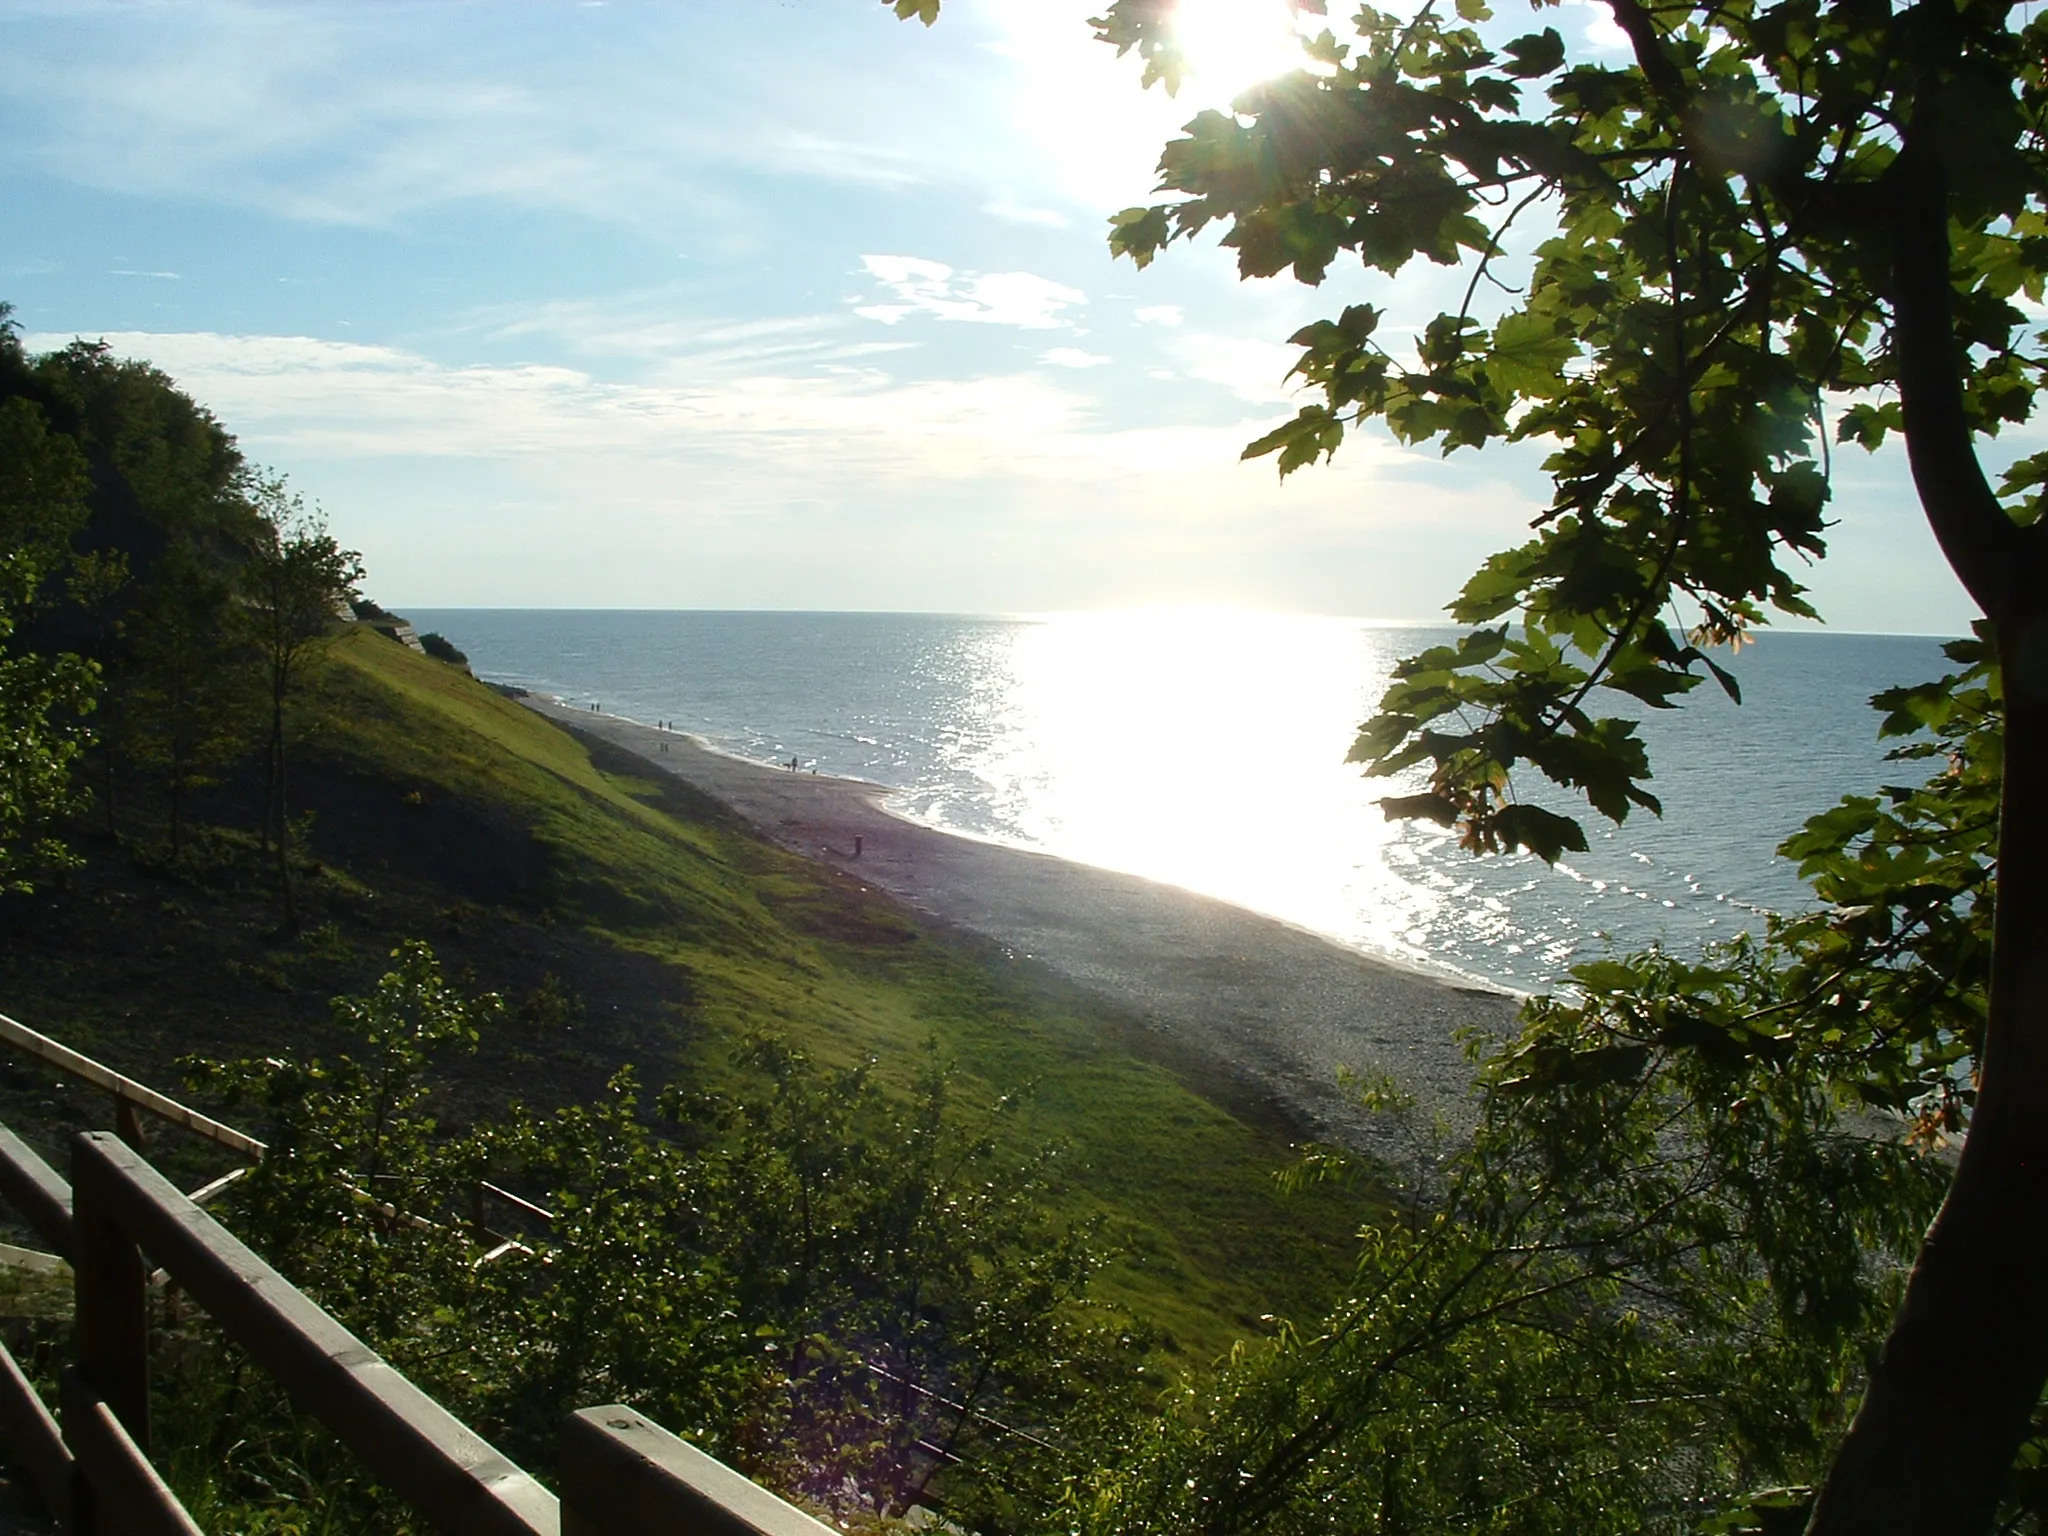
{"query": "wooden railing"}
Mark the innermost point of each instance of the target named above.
(621, 1474)
(128, 1095)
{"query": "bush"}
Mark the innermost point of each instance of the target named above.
(441, 649)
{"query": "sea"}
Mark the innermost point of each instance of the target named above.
(1206, 750)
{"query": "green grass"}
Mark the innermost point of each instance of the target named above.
(754, 938)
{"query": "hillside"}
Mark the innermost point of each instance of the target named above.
(633, 923)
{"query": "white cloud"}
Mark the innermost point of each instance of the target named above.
(767, 434)
(1249, 368)
(1017, 213)
(1159, 314)
(1072, 357)
(655, 327)
(365, 116)
(343, 399)
(803, 485)
(1598, 27)
(922, 287)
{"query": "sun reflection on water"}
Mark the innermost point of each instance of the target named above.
(1206, 750)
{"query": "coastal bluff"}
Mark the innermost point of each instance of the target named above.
(1264, 1015)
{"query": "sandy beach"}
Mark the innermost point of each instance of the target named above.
(1263, 1009)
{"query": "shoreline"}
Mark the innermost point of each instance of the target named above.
(1272, 1008)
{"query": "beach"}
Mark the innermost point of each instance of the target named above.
(1267, 1015)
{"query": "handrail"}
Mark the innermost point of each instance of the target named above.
(518, 1203)
(126, 1089)
(34, 1443)
(34, 1189)
(623, 1472)
(414, 1445)
(119, 1480)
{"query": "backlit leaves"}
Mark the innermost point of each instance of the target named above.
(1715, 276)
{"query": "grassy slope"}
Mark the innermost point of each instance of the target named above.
(444, 811)
(764, 939)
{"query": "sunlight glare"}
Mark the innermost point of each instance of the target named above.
(1231, 45)
(1195, 748)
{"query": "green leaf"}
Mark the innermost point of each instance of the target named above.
(1529, 354)
(1544, 833)
(1434, 808)
(1538, 53)
(1313, 433)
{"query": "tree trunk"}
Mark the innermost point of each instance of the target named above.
(1953, 1394)
(274, 746)
(284, 831)
(107, 741)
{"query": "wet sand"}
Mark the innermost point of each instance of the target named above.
(1272, 1010)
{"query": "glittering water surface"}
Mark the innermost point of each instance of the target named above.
(1206, 750)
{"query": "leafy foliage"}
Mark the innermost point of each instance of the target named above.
(1625, 1308)
(42, 503)
(195, 693)
(845, 1290)
(1716, 271)
(1768, 213)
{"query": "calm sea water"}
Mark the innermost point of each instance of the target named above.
(1207, 751)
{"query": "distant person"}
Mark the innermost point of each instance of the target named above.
(856, 846)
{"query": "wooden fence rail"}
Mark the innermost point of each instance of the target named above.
(128, 1094)
(636, 1476)
(415, 1446)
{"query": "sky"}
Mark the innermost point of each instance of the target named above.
(746, 304)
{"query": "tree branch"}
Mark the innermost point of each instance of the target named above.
(1982, 544)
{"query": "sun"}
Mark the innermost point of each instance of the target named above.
(1231, 45)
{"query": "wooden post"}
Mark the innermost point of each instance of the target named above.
(127, 1125)
(112, 1294)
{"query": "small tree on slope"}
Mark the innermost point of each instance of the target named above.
(296, 578)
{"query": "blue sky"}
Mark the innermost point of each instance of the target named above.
(762, 303)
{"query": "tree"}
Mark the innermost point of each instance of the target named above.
(1772, 212)
(160, 480)
(1622, 1308)
(295, 582)
(42, 698)
(193, 679)
(837, 1285)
